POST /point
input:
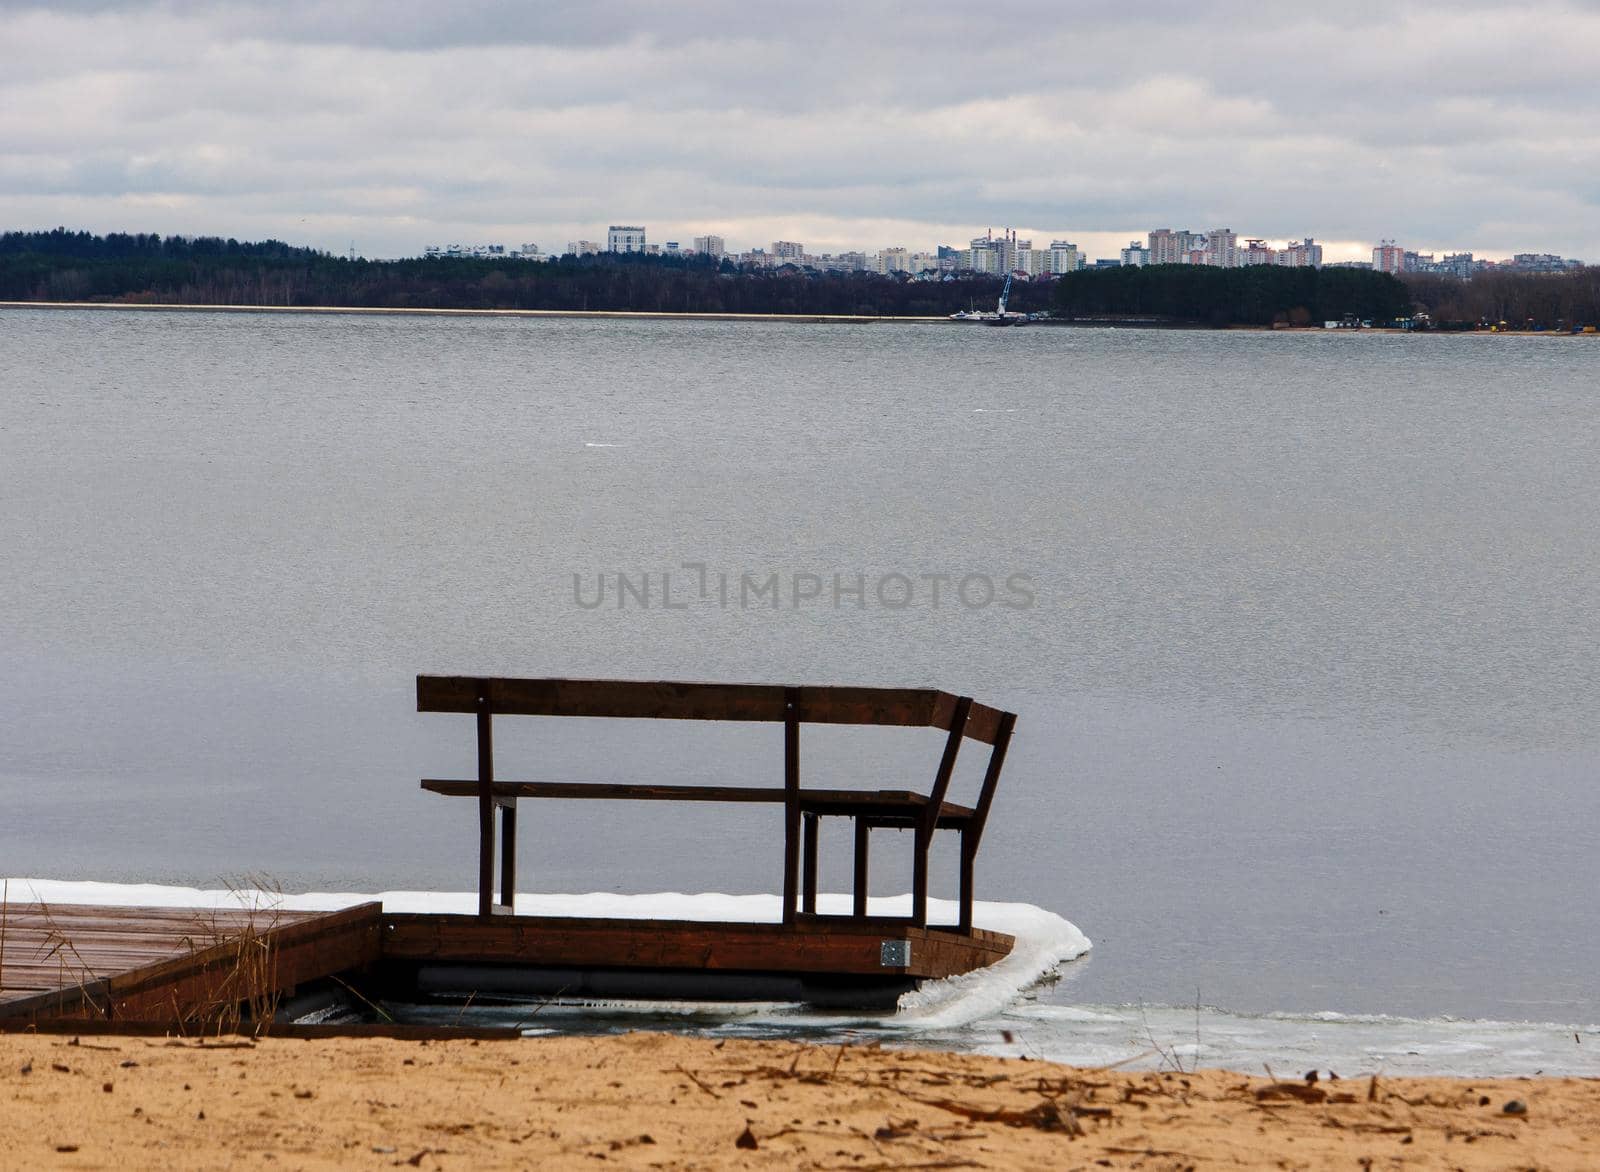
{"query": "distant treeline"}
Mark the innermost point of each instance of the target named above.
(1543, 300)
(1259, 295)
(62, 243)
(76, 266)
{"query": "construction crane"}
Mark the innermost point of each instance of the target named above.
(1001, 317)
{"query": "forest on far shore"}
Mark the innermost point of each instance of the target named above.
(1259, 295)
(73, 266)
(1519, 300)
(145, 268)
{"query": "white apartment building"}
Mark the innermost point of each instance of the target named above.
(1065, 257)
(713, 246)
(1135, 255)
(983, 256)
(893, 260)
(625, 238)
(986, 254)
(584, 247)
(789, 250)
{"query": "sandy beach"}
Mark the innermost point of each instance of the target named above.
(659, 1101)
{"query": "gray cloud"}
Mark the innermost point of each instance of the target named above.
(399, 124)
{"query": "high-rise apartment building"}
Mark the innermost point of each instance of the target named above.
(984, 255)
(713, 246)
(1136, 255)
(1257, 252)
(1010, 249)
(1307, 254)
(1065, 257)
(1174, 248)
(1389, 257)
(894, 260)
(1164, 248)
(625, 238)
(1222, 248)
(788, 250)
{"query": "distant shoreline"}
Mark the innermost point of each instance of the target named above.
(782, 318)
(408, 311)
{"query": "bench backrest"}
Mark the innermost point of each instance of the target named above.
(903, 707)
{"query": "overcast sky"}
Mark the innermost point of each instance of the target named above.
(398, 124)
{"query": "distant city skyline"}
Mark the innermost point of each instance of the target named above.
(1215, 246)
(390, 126)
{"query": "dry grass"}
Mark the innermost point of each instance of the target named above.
(235, 987)
(75, 977)
(247, 993)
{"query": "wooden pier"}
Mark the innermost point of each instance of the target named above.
(181, 966)
(202, 969)
(197, 970)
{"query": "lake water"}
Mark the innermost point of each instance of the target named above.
(1307, 686)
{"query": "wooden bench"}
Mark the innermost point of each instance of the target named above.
(960, 717)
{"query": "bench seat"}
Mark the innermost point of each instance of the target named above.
(880, 803)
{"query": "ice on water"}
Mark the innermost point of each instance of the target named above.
(997, 1010)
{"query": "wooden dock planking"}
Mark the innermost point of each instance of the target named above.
(844, 947)
(60, 945)
(166, 964)
(179, 966)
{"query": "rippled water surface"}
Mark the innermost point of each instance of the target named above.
(1307, 690)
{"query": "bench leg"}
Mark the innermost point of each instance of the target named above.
(485, 807)
(809, 887)
(919, 876)
(508, 853)
(791, 804)
(969, 853)
(486, 860)
(859, 888)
